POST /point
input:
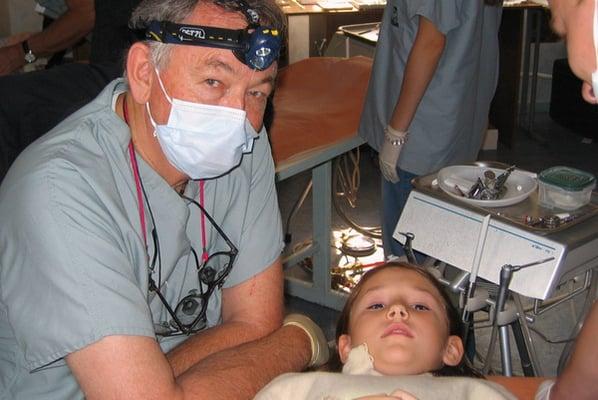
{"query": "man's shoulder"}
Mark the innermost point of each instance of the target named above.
(87, 139)
(82, 151)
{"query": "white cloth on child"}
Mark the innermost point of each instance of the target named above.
(359, 378)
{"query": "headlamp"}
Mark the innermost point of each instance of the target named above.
(256, 46)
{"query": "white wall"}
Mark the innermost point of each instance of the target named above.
(18, 16)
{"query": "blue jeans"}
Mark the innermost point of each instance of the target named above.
(394, 197)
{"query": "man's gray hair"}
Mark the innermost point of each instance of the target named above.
(178, 10)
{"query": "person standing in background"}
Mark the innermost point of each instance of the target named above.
(434, 74)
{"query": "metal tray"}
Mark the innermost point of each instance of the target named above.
(514, 214)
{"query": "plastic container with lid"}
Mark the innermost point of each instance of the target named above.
(565, 188)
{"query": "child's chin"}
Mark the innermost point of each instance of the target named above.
(397, 366)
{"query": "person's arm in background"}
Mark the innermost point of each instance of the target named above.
(579, 380)
(65, 31)
(419, 71)
(421, 65)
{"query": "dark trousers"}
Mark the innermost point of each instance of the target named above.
(33, 103)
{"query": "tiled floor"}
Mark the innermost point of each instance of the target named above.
(551, 145)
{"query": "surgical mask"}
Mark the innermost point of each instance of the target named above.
(203, 141)
(595, 73)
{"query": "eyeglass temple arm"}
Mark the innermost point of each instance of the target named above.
(234, 249)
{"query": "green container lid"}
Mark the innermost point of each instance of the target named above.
(570, 179)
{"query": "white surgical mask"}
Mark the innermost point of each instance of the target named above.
(595, 73)
(203, 141)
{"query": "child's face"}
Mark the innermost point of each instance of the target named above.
(402, 318)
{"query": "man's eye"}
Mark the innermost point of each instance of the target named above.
(375, 306)
(212, 82)
(258, 94)
(420, 307)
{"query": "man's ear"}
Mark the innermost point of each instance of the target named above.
(344, 347)
(140, 72)
(453, 351)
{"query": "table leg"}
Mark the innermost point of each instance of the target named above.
(320, 289)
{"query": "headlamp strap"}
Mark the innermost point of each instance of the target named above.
(206, 36)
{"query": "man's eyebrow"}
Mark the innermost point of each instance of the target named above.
(268, 79)
(217, 64)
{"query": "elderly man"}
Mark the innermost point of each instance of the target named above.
(577, 22)
(141, 237)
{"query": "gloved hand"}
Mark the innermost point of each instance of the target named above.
(389, 154)
(319, 345)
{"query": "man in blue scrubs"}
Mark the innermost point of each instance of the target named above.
(140, 238)
(434, 75)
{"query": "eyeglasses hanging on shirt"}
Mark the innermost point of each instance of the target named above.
(189, 315)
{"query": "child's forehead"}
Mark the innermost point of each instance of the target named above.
(399, 277)
(398, 280)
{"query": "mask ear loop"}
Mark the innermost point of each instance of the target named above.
(162, 86)
(147, 106)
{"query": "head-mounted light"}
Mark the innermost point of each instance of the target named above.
(256, 46)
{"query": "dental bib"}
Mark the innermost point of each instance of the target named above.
(359, 378)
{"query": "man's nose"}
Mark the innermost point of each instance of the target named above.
(234, 100)
(398, 311)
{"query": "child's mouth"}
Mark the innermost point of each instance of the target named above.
(397, 329)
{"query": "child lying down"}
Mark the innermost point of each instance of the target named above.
(398, 338)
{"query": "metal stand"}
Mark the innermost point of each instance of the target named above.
(506, 314)
(591, 296)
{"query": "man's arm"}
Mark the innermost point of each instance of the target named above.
(580, 379)
(134, 368)
(208, 365)
(250, 310)
(419, 71)
(65, 31)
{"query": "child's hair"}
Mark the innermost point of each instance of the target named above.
(455, 325)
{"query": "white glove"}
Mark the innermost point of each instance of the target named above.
(543, 391)
(389, 154)
(319, 345)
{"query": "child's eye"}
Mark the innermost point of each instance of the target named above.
(420, 307)
(375, 306)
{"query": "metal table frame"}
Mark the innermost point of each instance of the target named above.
(319, 161)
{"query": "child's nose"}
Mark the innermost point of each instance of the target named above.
(397, 311)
